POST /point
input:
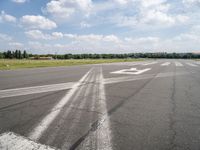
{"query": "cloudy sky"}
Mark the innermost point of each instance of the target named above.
(100, 26)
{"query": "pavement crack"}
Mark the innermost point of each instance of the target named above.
(172, 120)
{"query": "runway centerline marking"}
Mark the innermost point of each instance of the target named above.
(132, 71)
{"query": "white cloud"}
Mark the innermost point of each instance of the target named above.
(86, 38)
(19, 1)
(157, 13)
(191, 2)
(150, 3)
(16, 44)
(121, 2)
(4, 17)
(143, 40)
(5, 37)
(57, 35)
(94, 38)
(39, 35)
(111, 38)
(37, 22)
(157, 17)
(85, 25)
(60, 9)
(142, 14)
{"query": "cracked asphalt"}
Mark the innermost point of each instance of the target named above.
(151, 113)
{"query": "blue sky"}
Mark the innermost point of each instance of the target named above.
(100, 26)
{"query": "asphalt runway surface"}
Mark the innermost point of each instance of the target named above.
(147, 105)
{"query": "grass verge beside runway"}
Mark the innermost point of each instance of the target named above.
(6, 64)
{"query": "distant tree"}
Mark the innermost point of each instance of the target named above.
(1, 55)
(9, 54)
(25, 55)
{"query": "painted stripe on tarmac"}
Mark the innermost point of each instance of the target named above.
(142, 77)
(166, 64)
(99, 136)
(197, 62)
(191, 64)
(46, 121)
(12, 141)
(150, 63)
(178, 64)
(35, 89)
(104, 135)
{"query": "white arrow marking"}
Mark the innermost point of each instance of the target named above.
(131, 71)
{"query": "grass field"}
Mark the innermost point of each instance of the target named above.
(6, 64)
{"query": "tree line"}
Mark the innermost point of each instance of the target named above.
(18, 54)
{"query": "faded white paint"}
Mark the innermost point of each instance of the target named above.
(142, 77)
(101, 138)
(35, 89)
(12, 141)
(166, 64)
(133, 71)
(46, 121)
(104, 135)
(178, 64)
(150, 63)
(191, 64)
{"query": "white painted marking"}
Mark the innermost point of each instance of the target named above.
(46, 121)
(150, 63)
(178, 64)
(84, 89)
(166, 64)
(190, 64)
(35, 89)
(104, 137)
(101, 138)
(142, 77)
(198, 62)
(135, 63)
(12, 141)
(133, 71)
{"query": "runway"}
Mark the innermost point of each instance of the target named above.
(152, 104)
